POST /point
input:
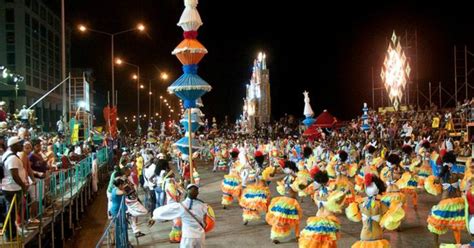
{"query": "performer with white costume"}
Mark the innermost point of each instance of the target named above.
(192, 212)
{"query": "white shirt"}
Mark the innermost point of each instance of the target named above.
(77, 150)
(318, 151)
(13, 162)
(160, 179)
(60, 125)
(23, 114)
(146, 158)
(149, 176)
(449, 145)
(190, 228)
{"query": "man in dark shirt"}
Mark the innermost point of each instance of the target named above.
(3, 114)
(38, 164)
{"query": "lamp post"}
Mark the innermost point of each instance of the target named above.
(161, 99)
(164, 77)
(149, 101)
(139, 27)
(136, 77)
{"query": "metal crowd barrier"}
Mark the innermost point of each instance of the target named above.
(60, 192)
(116, 233)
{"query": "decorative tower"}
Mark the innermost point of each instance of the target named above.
(365, 118)
(258, 99)
(189, 87)
(308, 111)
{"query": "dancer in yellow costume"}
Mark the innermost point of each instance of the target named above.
(343, 172)
(256, 196)
(408, 183)
(374, 214)
(284, 213)
(449, 213)
(231, 185)
(322, 230)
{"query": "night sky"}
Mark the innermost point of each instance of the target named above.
(328, 50)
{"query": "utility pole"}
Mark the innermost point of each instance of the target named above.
(63, 60)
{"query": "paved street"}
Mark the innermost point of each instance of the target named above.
(230, 232)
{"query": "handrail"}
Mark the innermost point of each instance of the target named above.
(8, 223)
(116, 221)
(9, 213)
(54, 188)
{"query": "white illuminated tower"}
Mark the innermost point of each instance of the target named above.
(258, 101)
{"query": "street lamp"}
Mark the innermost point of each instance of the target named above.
(119, 61)
(140, 27)
(163, 76)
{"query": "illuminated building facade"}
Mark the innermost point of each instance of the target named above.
(257, 102)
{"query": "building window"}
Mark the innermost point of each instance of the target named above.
(35, 46)
(9, 1)
(57, 41)
(9, 15)
(43, 50)
(28, 3)
(43, 32)
(44, 84)
(28, 79)
(57, 26)
(51, 56)
(10, 58)
(35, 28)
(43, 14)
(51, 72)
(50, 37)
(35, 65)
(50, 20)
(28, 60)
(36, 82)
(35, 6)
(27, 19)
(11, 48)
(27, 41)
(10, 37)
(10, 26)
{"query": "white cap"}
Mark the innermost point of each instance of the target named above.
(192, 185)
(124, 153)
(161, 156)
(13, 140)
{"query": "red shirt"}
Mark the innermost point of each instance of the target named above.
(3, 115)
(65, 162)
(470, 201)
(186, 173)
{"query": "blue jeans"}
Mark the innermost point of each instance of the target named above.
(160, 197)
